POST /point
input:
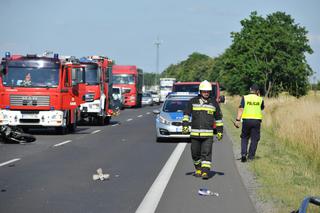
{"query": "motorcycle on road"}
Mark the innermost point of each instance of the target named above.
(11, 134)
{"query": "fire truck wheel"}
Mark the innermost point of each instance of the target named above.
(100, 120)
(72, 127)
(107, 120)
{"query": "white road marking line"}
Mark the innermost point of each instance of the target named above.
(96, 131)
(10, 161)
(148, 113)
(62, 143)
(153, 196)
(115, 124)
(139, 116)
(130, 119)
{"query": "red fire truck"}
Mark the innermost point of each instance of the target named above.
(98, 81)
(130, 80)
(41, 91)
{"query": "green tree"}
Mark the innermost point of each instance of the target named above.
(150, 79)
(196, 67)
(268, 51)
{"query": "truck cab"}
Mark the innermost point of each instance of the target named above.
(41, 91)
(98, 86)
(130, 79)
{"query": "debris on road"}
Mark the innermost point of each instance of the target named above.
(207, 192)
(100, 175)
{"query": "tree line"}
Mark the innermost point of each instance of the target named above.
(267, 51)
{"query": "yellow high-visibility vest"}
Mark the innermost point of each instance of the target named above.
(252, 107)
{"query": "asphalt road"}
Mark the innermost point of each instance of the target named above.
(54, 174)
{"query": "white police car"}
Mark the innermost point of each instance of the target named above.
(169, 117)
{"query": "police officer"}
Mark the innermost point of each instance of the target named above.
(250, 111)
(204, 111)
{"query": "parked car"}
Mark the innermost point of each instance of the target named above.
(147, 99)
(169, 117)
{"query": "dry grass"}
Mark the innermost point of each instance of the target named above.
(297, 123)
(288, 160)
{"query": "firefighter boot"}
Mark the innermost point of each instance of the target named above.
(197, 165)
(205, 173)
(198, 172)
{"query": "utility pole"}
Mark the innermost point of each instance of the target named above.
(157, 43)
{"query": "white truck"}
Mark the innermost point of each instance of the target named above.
(166, 87)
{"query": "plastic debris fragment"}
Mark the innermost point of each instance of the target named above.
(207, 192)
(100, 175)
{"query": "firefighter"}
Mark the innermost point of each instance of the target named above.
(204, 111)
(27, 80)
(250, 111)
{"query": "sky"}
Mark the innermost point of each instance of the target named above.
(126, 30)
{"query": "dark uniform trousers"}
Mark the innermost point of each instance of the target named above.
(250, 130)
(201, 150)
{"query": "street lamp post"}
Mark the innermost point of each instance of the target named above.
(157, 43)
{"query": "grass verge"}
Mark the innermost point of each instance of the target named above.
(284, 172)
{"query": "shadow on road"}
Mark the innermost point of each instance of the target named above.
(173, 140)
(211, 173)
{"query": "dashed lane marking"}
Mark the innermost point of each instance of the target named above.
(139, 116)
(153, 196)
(148, 113)
(130, 119)
(9, 161)
(115, 125)
(62, 143)
(96, 131)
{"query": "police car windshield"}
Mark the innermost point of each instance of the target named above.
(193, 88)
(32, 74)
(175, 105)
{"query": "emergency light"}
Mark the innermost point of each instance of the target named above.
(7, 54)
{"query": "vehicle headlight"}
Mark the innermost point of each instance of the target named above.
(56, 117)
(3, 116)
(163, 120)
(95, 106)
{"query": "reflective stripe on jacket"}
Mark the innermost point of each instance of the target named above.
(204, 114)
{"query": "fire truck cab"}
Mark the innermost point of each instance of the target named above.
(41, 91)
(98, 86)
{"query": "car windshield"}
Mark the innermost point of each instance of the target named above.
(32, 73)
(192, 88)
(123, 79)
(116, 90)
(146, 95)
(175, 105)
(154, 93)
(186, 88)
(92, 76)
(168, 88)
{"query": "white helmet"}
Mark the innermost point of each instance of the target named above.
(205, 85)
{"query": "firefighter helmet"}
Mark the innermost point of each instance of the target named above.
(205, 86)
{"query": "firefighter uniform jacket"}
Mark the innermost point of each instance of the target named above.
(204, 114)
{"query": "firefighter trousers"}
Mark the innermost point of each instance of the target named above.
(250, 130)
(201, 152)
